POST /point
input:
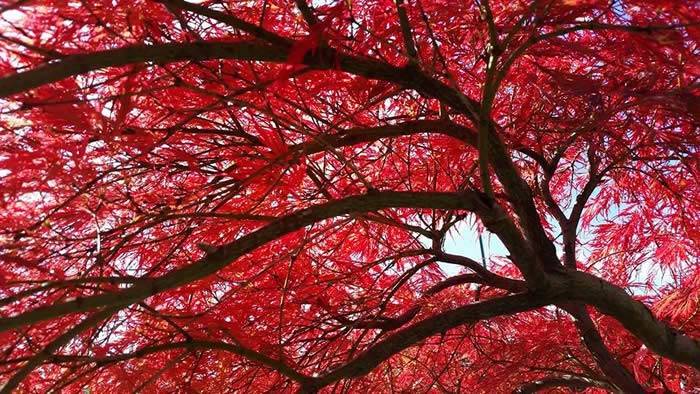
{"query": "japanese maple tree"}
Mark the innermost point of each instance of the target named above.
(225, 195)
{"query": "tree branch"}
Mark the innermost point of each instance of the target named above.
(633, 315)
(306, 12)
(611, 367)
(56, 344)
(225, 254)
(406, 33)
(195, 344)
(573, 382)
(230, 20)
(487, 276)
(370, 358)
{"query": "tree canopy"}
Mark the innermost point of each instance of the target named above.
(222, 196)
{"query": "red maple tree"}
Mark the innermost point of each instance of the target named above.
(226, 195)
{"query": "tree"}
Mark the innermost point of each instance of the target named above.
(228, 195)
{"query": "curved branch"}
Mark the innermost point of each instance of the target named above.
(591, 26)
(370, 134)
(573, 382)
(229, 20)
(487, 277)
(611, 367)
(225, 254)
(73, 65)
(56, 344)
(249, 354)
(323, 58)
(372, 357)
(634, 316)
(504, 283)
(162, 53)
(392, 323)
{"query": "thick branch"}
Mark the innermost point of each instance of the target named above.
(225, 254)
(323, 58)
(573, 382)
(485, 278)
(368, 360)
(611, 367)
(161, 53)
(634, 316)
(306, 12)
(408, 41)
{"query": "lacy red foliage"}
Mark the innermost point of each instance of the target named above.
(225, 196)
